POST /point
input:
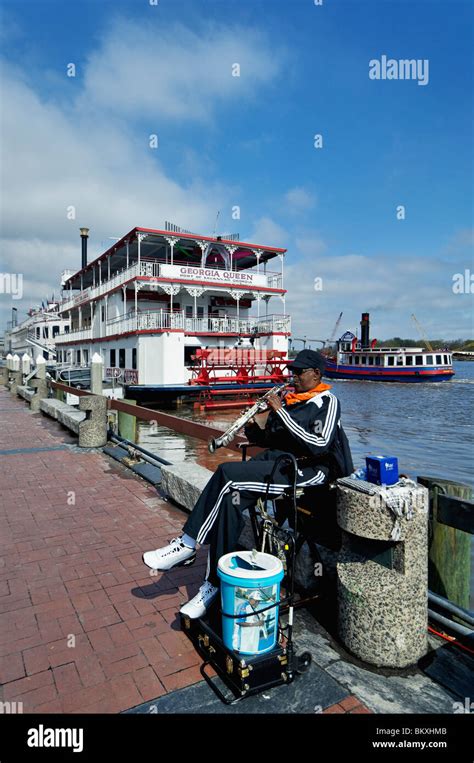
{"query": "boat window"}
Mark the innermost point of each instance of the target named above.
(122, 358)
(357, 360)
(439, 360)
(429, 360)
(450, 359)
(400, 360)
(102, 312)
(45, 332)
(78, 357)
(409, 360)
(350, 360)
(55, 330)
(189, 311)
(85, 358)
(134, 357)
(378, 360)
(390, 360)
(66, 329)
(112, 358)
(200, 312)
(446, 361)
(37, 332)
(371, 360)
(419, 360)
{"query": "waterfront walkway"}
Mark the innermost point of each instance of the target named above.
(84, 627)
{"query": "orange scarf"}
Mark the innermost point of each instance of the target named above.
(300, 397)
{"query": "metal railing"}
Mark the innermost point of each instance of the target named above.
(149, 269)
(79, 335)
(146, 268)
(162, 320)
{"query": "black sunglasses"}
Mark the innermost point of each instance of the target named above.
(299, 371)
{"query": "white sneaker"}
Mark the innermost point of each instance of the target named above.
(176, 554)
(203, 599)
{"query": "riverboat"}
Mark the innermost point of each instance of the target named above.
(361, 360)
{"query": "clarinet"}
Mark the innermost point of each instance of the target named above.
(260, 405)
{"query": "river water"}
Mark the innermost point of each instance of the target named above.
(428, 427)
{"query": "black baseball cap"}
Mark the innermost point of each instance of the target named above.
(308, 359)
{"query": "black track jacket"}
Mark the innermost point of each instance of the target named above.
(310, 429)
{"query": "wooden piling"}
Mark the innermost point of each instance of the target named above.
(127, 424)
(449, 568)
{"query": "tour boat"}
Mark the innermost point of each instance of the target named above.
(362, 360)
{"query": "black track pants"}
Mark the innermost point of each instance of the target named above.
(217, 516)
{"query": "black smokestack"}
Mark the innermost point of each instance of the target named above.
(365, 331)
(84, 237)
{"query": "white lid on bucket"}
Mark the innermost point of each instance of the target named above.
(262, 565)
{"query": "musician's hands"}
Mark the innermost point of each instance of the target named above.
(274, 402)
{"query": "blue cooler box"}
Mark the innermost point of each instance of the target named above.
(382, 470)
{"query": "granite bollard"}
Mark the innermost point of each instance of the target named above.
(97, 372)
(93, 429)
(382, 573)
(39, 384)
(4, 375)
(16, 378)
(40, 388)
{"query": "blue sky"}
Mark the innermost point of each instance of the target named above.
(248, 141)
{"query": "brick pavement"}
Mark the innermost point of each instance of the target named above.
(83, 626)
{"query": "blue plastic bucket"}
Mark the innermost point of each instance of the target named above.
(250, 581)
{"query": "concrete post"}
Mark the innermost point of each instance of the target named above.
(16, 379)
(26, 364)
(4, 375)
(39, 384)
(40, 367)
(9, 359)
(93, 430)
(41, 392)
(97, 373)
(15, 362)
(383, 573)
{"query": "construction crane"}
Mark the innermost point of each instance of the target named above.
(422, 333)
(333, 333)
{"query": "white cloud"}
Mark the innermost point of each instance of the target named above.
(298, 200)
(310, 245)
(177, 73)
(267, 231)
(87, 154)
(391, 289)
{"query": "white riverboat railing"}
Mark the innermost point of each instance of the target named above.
(79, 335)
(142, 269)
(164, 319)
(148, 269)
